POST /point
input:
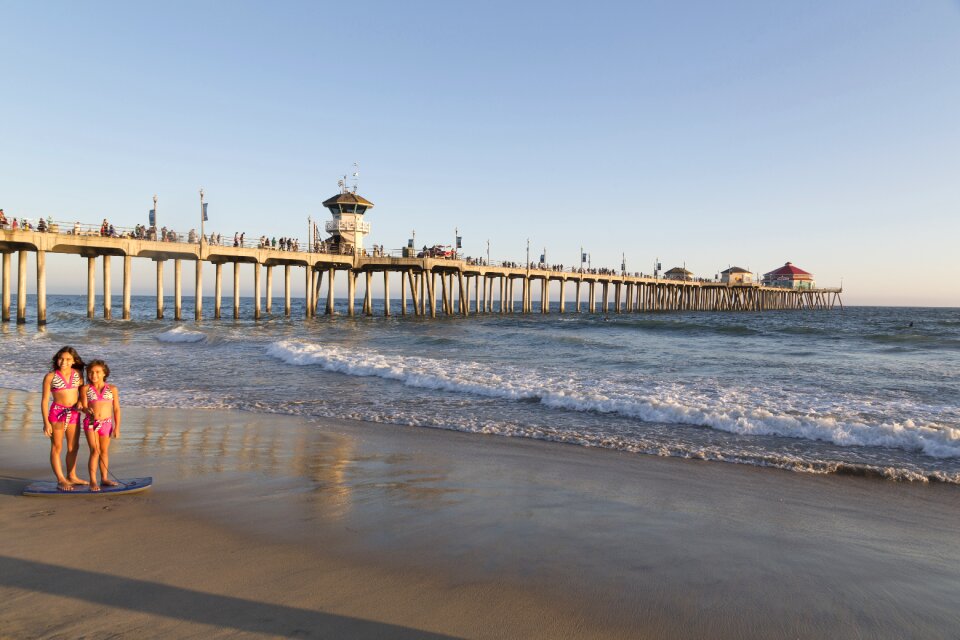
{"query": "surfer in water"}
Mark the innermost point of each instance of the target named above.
(101, 403)
(61, 415)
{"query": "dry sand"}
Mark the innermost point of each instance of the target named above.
(270, 526)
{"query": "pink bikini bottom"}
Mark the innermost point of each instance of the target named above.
(103, 427)
(63, 413)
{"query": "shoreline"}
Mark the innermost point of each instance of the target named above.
(312, 527)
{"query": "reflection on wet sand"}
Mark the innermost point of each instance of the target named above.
(336, 468)
(20, 415)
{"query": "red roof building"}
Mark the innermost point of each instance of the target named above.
(789, 277)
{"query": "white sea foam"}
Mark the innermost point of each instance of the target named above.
(707, 402)
(180, 334)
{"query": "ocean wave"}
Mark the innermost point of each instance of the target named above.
(731, 410)
(180, 334)
(915, 340)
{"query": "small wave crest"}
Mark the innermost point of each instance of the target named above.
(180, 334)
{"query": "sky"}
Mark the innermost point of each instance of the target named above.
(702, 134)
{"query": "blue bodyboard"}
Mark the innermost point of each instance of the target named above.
(48, 488)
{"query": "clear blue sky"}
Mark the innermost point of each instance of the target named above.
(703, 133)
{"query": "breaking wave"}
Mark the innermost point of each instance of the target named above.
(770, 412)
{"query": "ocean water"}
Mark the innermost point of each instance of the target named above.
(866, 390)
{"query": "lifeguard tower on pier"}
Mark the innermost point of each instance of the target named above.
(348, 228)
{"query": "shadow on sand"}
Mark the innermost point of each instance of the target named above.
(193, 606)
(10, 486)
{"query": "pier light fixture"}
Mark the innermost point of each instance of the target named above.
(152, 218)
(203, 215)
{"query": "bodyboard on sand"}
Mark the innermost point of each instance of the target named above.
(48, 488)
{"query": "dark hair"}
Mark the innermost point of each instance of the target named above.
(102, 365)
(77, 362)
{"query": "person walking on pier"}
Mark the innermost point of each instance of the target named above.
(61, 416)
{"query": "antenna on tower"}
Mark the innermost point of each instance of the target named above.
(356, 175)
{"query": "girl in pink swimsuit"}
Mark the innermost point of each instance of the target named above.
(59, 407)
(101, 402)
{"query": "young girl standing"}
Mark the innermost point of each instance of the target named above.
(101, 403)
(62, 419)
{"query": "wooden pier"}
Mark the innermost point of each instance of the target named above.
(431, 286)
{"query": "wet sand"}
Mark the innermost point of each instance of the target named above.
(272, 526)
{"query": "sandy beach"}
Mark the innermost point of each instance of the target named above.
(274, 526)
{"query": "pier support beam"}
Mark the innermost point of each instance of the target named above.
(330, 300)
(269, 300)
(236, 290)
(22, 287)
(386, 294)
(91, 286)
(286, 290)
(403, 293)
(563, 285)
(420, 282)
(432, 287)
(177, 288)
(159, 289)
(256, 290)
(41, 288)
(106, 287)
(307, 290)
(217, 289)
(198, 292)
(605, 299)
(413, 293)
(316, 292)
(351, 290)
(127, 284)
(368, 294)
(443, 294)
(6, 288)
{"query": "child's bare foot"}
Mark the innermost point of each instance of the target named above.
(109, 483)
(77, 480)
(94, 487)
(63, 485)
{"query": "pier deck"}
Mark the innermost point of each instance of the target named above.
(465, 286)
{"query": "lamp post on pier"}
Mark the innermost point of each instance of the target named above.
(203, 218)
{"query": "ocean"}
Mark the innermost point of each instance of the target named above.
(870, 391)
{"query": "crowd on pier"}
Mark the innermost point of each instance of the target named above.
(163, 234)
